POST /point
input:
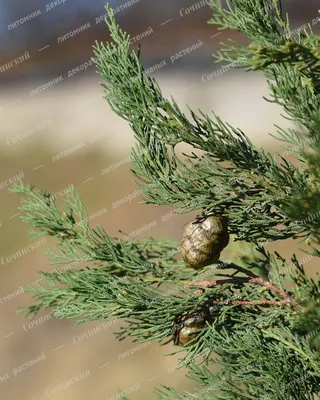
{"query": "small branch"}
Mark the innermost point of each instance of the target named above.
(268, 285)
(286, 298)
(254, 302)
(210, 284)
(256, 281)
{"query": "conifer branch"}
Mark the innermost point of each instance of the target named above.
(252, 178)
(263, 332)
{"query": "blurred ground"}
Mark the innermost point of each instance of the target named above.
(75, 116)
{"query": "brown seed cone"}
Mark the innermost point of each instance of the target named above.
(189, 329)
(185, 335)
(203, 241)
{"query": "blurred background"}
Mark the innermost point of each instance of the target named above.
(66, 135)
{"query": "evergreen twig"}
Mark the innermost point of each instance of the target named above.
(262, 331)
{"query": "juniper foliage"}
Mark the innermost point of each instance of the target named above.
(263, 330)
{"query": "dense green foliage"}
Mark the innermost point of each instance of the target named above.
(263, 330)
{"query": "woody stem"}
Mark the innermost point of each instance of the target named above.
(286, 298)
(256, 281)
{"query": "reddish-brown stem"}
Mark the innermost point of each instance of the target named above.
(209, 284)
(270, 286)
(287, 299)
(256, 281)
(253, 302)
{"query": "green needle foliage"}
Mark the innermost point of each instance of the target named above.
(263, 331)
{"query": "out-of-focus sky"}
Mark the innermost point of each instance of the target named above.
(55, 21)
